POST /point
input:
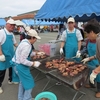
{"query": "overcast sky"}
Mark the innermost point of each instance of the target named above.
(15, 7)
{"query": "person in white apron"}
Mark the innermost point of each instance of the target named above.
(71, 40)
(7, 41)
(21, 64)
(92, 31)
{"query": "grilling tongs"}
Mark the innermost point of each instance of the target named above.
(62, 56)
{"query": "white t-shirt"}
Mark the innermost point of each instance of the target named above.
(78, 35)
(22, 53)
(3, 36)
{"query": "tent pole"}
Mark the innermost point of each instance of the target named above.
(35, 24)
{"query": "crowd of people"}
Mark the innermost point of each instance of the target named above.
(18, 62)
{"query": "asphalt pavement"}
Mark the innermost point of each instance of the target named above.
(63, 92)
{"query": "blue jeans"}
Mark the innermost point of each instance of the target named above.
(22, 93)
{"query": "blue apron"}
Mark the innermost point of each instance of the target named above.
(91, 47)
(24, 74)
(8, 51)
(71, 45)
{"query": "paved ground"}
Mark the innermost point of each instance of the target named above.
(62, 92)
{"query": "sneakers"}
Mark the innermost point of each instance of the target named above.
(97, 95)
(10, 82)
(1, 90)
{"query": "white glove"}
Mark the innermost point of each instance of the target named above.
(93, 75)
(40, 53)
(61, 51)
(36, 63)
(85, 60)
(78, 54)
(2, 58)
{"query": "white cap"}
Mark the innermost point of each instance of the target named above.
(33, 33)
(27, 28)
(11, 21)
(71, 19)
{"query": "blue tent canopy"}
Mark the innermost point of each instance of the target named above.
(49, 23)
(2, 22)
(36, 22)
(62, 9)
(28, 22)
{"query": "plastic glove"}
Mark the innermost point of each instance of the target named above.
(2, 58)
(36, 63)
(93, 75)
(61, 51)
(85, 60)
(40, 53)
(78, 54)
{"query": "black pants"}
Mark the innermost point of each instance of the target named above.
(2, 75)
(98, 86)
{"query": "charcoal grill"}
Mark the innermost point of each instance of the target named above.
(76, 82)
(42, 67)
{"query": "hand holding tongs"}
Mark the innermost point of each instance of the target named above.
(61, 55)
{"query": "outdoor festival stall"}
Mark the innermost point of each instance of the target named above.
(81, 10)
(58, 67)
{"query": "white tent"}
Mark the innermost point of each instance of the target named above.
(20, 23)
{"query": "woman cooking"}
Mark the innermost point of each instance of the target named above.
(92, 31)
(21, 64)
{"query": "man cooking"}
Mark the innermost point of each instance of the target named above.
(71, 40)
(7, 41)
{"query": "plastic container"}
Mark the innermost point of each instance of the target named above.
(57, 43)
(49, 95)
(41, 47)
(52, 49)
(48, 48)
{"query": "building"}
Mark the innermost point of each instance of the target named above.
(28, 15)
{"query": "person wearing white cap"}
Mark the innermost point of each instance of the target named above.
(71, 40)
(21, 62)
(7, 41)
(23, 36)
